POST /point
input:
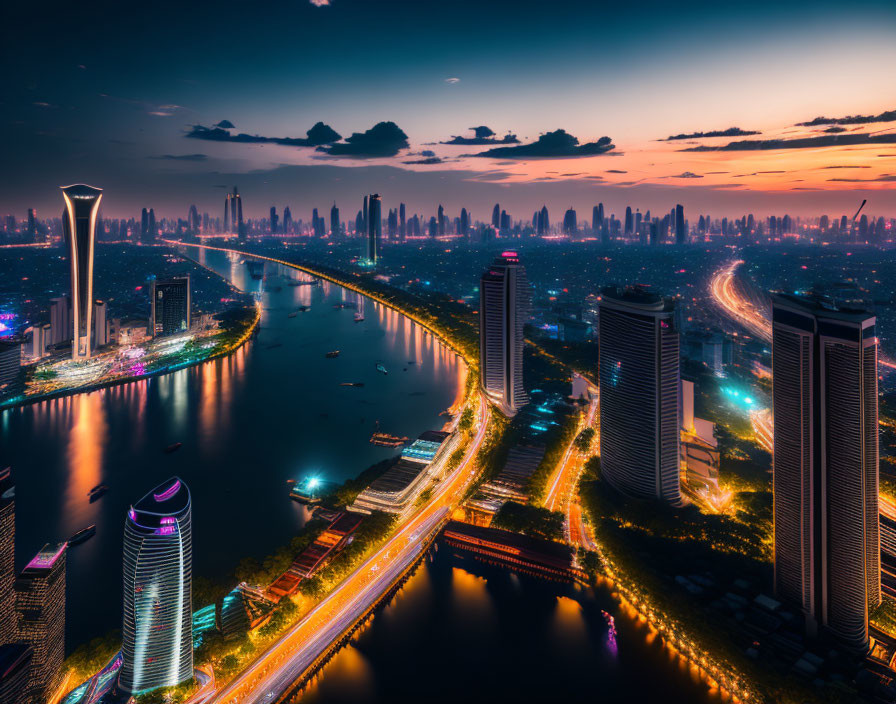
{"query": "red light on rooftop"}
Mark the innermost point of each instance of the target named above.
(508, 253)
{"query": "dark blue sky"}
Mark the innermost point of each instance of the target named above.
(106, 93)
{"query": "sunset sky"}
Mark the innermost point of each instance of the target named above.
(127, 97)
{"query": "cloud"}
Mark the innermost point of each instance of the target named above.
(384, 139)
(318, 135)
(557, 144)
(834, 130)
(846, 167)
(834, 140)
(225, 124)
(482, 135)
(427, 152)
(320, 3)
(181, 157)
(687, 174)
(730, 132)
(616, 171)
(426, 160)
(452, 80)
(885, 178)
(887, 116)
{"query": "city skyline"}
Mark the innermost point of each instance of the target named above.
(466, 128)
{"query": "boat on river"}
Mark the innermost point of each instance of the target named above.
(352, 383)
(380, 368)
(82, 535)
(173, 447)
(97, 492)
(332, 354)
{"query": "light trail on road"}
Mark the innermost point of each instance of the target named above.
(275, 671)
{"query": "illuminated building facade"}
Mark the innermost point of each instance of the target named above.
(638, 349)
(82, 205)
(15, 667)
(171, 306)
(40, 614)
(7, 557)
(157, 646)
(503, 308)
(827, 535)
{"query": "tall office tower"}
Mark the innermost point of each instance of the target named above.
(374, 227)
(157, 643)
(15, 669)
(40, 613)
(638, 350)
(233, 209)
(193, 220)
(544, 223)
(227, 221)
(597, 218)
(144, 224)
(153, 230)
(100, 329)
(240, 227)
(496, 216)
(364, 215)
(402, 223)
(32, 225)
(570, 222)
(681, 233)
(60, 319)
(7, 556)
(334, 220)
(433, 227)
(628, 220)
(392, 223)
(287, 220)
(505, 222)
(82, 204)
(464, 223)
(503, 309)
(638, 218)
(171, 306)
(274, 219)
(441, 220)
(827, 541)
(655, 232)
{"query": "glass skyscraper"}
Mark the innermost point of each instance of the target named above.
(503, 307)
(7, 557)
(374, 228)
(639, 393)
(827, 534)
(157, 648)
(171, 306)
(82, 205)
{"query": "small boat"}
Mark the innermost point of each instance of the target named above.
(302, 309)
(82, 535)
(359, 318)
(352, 383)
(173, 447)
(292, 315)
(290, 481)
(385, 439)
(97, 492)
(332, 355)
(381, 368)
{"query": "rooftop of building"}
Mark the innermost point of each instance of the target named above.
(46, 558)
(169, 498)
(838, 303)
(638, 297)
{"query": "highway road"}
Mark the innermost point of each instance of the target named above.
(563, 485)
(735, 305)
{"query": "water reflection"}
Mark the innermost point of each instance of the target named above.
(85, 454)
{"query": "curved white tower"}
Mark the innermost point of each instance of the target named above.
(157, 647)
(82, 205)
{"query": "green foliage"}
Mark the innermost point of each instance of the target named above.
(556, 447)
(466, 420)
(592, 468)
(90, 658)
(348, 491)
(534, 521)
(584, 439)
(176, 694)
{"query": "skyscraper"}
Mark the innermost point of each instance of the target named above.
(40, 612)
(227, 221)
(681, 233)
(144, 225)
(100, 338)
(464, 223)
(60, 319)
(638, 350)
(570, 222)
(7, 556)
(15, 668)
(544, 224)
(274, 219)
(157, 647)
(374, 227)
(402, 224)
(334, 221)
(827, 540)
(503, 309)
(629, 222)
(496, 216)
(82, 204)
(171, 306)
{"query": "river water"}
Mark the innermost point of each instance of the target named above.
(274, 410)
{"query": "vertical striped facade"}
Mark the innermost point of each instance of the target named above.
(157, 648)
(827, 533)
(639, 394)
(503, 309)
(7, 557)
(79, 223)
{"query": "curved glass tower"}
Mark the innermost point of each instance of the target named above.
(157, 648)
(82, 205)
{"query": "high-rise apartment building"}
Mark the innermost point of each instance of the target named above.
(171, 306)
(639, 393)
(7, 557)
(503, 309)
(827, 535)
(40, 619)
(374, 227)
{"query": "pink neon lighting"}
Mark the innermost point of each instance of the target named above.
(168, 493)
(508, 253)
